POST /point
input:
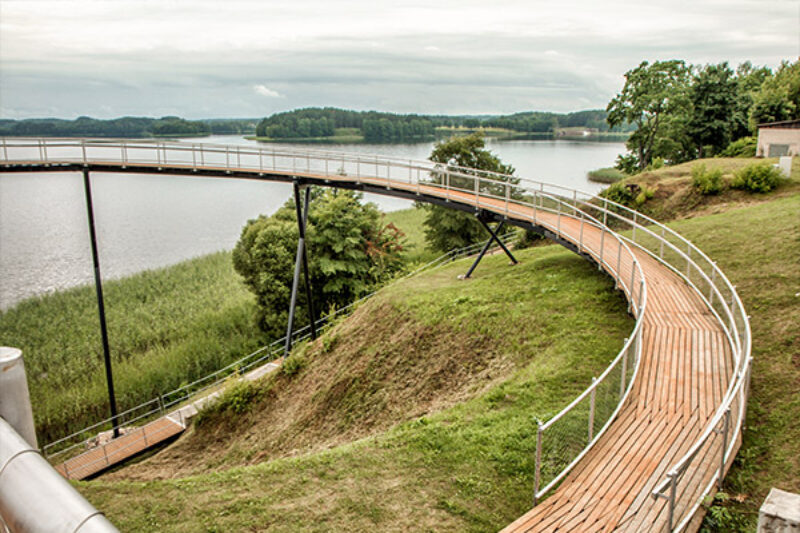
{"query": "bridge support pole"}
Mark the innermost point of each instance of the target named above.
(301, 259)
(492, 237)
(101, 309)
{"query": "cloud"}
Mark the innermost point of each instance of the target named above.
(263, 90)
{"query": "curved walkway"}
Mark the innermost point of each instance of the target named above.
(686, 363)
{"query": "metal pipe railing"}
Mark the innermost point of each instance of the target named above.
(34, 498)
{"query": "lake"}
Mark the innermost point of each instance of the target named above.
(150, 221)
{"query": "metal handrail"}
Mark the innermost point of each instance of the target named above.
(737, 329)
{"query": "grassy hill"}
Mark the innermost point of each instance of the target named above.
(418, 411)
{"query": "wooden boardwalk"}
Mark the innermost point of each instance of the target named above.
(685, 369)
(115, 451)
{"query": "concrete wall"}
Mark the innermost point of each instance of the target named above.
(778, 136)
(780, 513)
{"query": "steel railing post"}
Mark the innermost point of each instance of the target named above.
(673, 485)
(558, 219)
(591, 409)
(83, 150)
(508, 197)
(633, 233)
(661, 249)
(633, 278)
(5, 149)
(618, 274)
(624, 371)
(538, 464)
(641, 293)
(605, 211)
(580, 237)
(725, 426)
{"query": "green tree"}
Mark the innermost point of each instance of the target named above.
(779, 97)
(713, 95)
(350, 252)
(446, 229)
(655, 99)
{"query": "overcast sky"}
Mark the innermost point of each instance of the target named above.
(238, 58)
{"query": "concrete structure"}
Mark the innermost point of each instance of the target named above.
(780, 513)
(15, 402)
(777, 139)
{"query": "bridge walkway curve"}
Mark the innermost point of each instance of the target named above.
(685, 369)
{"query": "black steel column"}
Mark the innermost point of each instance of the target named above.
(301, 259)
(98, 283)
(492, 237)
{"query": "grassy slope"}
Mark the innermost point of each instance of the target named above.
(410, 222)
(674, 197)
(518, 343)
(166, 327)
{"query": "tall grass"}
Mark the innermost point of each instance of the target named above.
(166, 327)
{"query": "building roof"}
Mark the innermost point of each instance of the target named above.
(784, 124)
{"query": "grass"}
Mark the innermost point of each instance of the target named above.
(674, 196)
(417, 413)
(605, 175)
(166, 327)
(410, 221)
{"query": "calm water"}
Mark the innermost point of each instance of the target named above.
(149, 221)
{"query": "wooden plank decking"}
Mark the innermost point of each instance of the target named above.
(115, 451)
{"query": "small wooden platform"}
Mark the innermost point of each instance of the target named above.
(115, 451)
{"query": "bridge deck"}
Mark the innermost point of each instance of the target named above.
(685, 368)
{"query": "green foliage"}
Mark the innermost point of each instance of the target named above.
(237, 398)
(714, 97)
(744, 147)
(350, 252)
(166, 328)
(446, 229)
(294, 364)
(655, 98)
(758, 177)
(605, 175)
(129, 127)
(526, 239)
(706, 182)
(779, 96)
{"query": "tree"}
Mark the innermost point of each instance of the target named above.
(655, 100)
(713, 95)
(350, 252)
(446, 229)
(779, 96)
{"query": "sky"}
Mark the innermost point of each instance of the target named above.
(244, 58)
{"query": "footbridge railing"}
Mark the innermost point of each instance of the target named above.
(561, 213)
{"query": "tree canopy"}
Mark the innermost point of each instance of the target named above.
(446, 229)
(350, 252)
(684, 112)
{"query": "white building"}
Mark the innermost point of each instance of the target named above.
(776, 139)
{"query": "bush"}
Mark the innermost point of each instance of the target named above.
(706, 182)
(628, 194)
(293, 364)
(744, 147)
(758, 177)
(605, 175)
(237, 398)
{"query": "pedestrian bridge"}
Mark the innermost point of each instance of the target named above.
(650, 437)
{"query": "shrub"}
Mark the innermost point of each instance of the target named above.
(744, 147)
(706, 182)
(758, 177)
(605, 175)
(621, 193)
(293, 364)
(237, 398)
